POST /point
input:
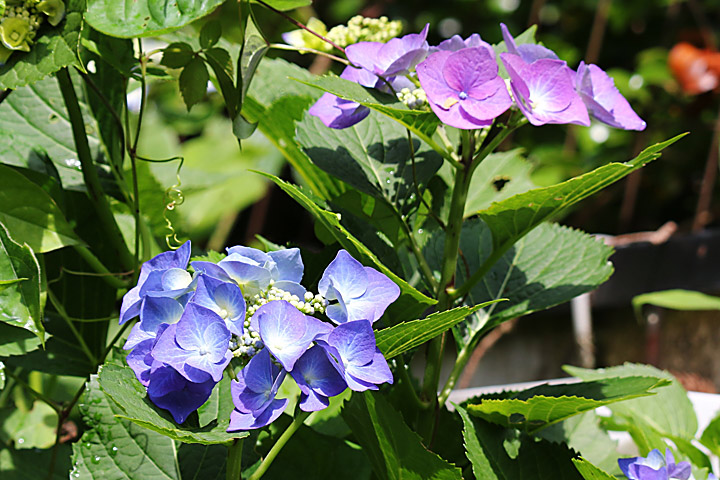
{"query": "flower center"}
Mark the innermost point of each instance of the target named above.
(223, 313)
(462, 95)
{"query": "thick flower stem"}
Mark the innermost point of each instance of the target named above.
(299, 419)
(445, 286)
(90, 176)
(234, 460)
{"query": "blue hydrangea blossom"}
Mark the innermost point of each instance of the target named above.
(655, 467)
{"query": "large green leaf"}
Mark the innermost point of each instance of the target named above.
(590, 471)
(514, 217)
(711, 435)
(411, 302)
(20, 301)
(421, 123)
(31, 214)
(668, 414)
(544, 405)
(497, 453)
(34, 463)
(34, 126)
(16, 341)
(145, 18)
(119, 383)
(54, 49)
(676, 300)
(284, 5)
(373, 156)
(395, 451)
(116, 448)
(33, 428)
(404, 336)
(276, 105)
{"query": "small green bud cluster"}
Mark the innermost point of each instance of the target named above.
(365, 29)
(414, 99)
(20, 21)
(249, 343)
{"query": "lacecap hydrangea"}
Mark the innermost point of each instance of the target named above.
(461, 82)
(251, 310)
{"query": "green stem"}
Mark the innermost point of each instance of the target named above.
(282, 46)
(81, 341)
(234, 460)
(106, 275)
(407, 382)
(133, 157)
(92, 182)
(297, 422)
(447, 276)
(462, 360)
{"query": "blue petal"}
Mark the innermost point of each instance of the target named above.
(169, 390)
(289, 265)
(313, 372)
(354, 341)
(346, 275)
(249, 421)
(380, 293)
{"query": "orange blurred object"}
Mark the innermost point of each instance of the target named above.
(697, 70)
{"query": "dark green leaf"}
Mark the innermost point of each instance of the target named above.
(497, 453)
(193, 82)
(16, 341)
(544, 405)
(210, 34)
(177, 55)
(284, 5)
(421, 123)
(206, 462)
(54, 49)
(253, 50)
(20, 303)
(145, 18)
(221, 64)
(120, 384)
(373, 156)
(405, 336)
(411, 302)
(2, 375)
(34, 463)
(31, 214)
(395, 451)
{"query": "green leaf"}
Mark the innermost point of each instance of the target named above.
(116, 448)
(254, 48)
(2, 375)
(676, 300)
(34, 428)
(177, 55)
(395, 451)
(34, 463)
(668, 414)
(549, 266)
(501, 175)
(590, 471)
(421, 123)
(276, 104)
(144, 18)
(511, 219)
(193, 82)
(34, 125)
(120, 384)
(373, 156)
(31, 214)
(497, 453)
(210, 33)
(16, 341)
(206, 462)
(538, 407)
(405, 336)
(411, 302)
(20, 303)
(54, 49)
(285, 5)
(221, 64)
(711, 436)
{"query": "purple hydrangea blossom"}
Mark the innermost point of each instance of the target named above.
(463, 88)
(286, 332)
(196, 346)
(362, 293)
(223, 298)
(529, 52)
(455, 43)
(389, 60)
(254, 392)
(544, 91)
(317, 378)
(603, 99)
(162, 275)
(352, 351)
(154, 313)
(655, 467)
(176, 394)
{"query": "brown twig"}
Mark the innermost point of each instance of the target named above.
(702, 212)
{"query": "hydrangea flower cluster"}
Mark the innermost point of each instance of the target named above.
(358, 29)
(20, 20)
(657, 467)
(464, 87)
(250, 307)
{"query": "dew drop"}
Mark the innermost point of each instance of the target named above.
(95, 459)
(113, 451)
(20, 441)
